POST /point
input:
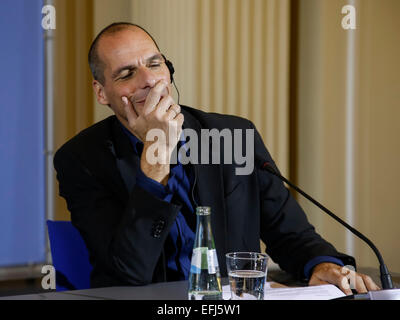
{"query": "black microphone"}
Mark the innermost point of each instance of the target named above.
(386, 278)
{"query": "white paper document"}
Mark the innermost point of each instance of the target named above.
(323, 292)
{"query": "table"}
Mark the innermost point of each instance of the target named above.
(164, 291)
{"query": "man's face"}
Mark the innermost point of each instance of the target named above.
(133, 65)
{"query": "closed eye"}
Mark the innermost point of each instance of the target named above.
(154, 65)
(128, 73)
(127, 76)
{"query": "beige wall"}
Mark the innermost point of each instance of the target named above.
(349, 161)
(379, 131)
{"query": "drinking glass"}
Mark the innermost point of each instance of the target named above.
(247, 273)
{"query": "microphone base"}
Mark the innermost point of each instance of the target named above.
(389, 294)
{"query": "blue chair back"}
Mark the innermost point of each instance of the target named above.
(70, 256)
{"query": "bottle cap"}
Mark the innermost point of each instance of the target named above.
(203, 211)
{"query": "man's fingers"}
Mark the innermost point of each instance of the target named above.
(129, 111)
(154, 96)
(317, 282)
(180, 118)
(164, 106)
(370, 284)
(344, 285)
(360, 286)
(361, 282)
(334, 276)
(342, 277)
(173, 111)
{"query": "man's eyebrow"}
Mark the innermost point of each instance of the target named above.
(157, 56)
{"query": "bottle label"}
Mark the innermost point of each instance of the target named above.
(197, 262)
(205, 259)
(212, 261)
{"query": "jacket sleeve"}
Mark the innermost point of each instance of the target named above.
(290, 239)
(125, 238)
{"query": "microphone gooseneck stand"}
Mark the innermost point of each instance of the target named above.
(385, 276)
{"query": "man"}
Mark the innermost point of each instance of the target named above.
(137, 216)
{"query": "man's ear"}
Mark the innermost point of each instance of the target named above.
(100, 92)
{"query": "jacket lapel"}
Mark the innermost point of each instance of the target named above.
(127, 162)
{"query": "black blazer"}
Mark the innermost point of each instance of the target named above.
(125, 228)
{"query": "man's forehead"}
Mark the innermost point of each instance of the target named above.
(131, 40)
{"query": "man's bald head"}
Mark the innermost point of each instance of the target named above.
(95, 62)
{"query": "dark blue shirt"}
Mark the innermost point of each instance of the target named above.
(179, 184)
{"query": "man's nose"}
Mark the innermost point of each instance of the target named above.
(146, 78)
